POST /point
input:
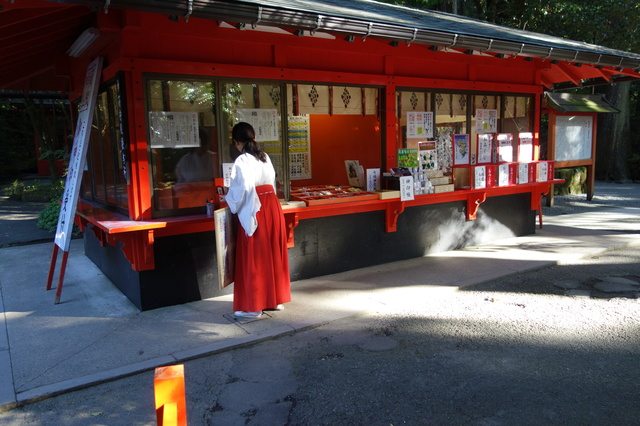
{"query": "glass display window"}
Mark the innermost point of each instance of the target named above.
(517, 114)
(485, 120)
(182, 142)
(105, 180)
(450, 119)
(330, 128)
(191, 120)
(415, 118)
(261, 106)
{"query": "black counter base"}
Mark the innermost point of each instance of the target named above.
(186, 268)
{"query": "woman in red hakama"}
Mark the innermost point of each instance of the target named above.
(262, 263)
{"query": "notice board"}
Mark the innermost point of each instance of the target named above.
(573, 137)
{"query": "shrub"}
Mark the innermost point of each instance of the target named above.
(48, 217)
(15, 190)
(43, 192)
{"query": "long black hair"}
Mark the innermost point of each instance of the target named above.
(243, 132)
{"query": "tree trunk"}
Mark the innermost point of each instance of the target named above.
(612, 149)
(45, 139)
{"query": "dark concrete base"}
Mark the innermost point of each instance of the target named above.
(186, 270)
(340, 243)
(186, 267)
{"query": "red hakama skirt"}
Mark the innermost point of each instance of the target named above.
(262, 261)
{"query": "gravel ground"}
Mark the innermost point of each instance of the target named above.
(606, 195)
(515, 351)
(546, 347)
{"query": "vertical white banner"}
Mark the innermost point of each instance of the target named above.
(78, 155)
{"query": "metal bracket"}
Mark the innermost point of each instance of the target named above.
(189, 10)
(415, 34)
(368, 31)
(488, 47)
(255, 24)
(318, 23)
(455, 40)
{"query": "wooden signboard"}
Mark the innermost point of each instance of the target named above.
(74, 175)
(225, 246)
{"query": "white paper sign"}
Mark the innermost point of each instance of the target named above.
(486, 120)
(485, 148)
(543, 171)
(169, 129)
(226, 173)
(480, 177)
(503, 175)
(505, 147)
(373, 180)
(523, 172)
(78, 156)
(419, 124)
(406, 188)
(265, 123)
(525, 147)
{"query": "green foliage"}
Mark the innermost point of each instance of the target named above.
(34, 192)
(58, 154)
(15, 190)
(38, 192)
(611, 23)
(575, 181)
(23, 119)
(48, 217)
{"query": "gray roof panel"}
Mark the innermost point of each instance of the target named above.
(446, 23)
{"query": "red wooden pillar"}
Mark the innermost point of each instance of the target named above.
(391, 128)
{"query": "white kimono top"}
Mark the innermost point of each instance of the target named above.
(242, 198)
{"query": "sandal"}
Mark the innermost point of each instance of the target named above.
(245, 314)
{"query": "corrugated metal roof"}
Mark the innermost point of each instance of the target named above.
(368, 18)
(567, 102)
(446, 23)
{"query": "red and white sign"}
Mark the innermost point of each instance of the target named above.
(78, 155)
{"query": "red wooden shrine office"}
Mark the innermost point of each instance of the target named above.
(325, 83)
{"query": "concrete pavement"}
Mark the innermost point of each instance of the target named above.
(95, 335)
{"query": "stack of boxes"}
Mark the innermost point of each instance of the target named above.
(439, 182)
(430, 182)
